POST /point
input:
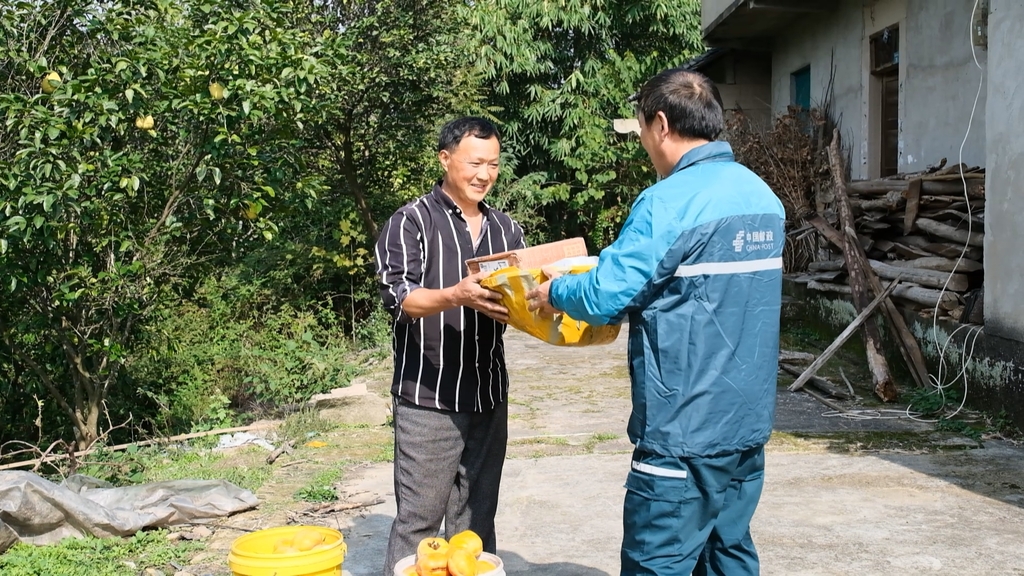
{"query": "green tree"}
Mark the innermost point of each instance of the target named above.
(120, 180)
(282, 131)
(557, 74)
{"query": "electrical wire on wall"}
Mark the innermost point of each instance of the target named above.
(940, 381)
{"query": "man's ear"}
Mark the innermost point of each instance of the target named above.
(444, 158)
(662, 125)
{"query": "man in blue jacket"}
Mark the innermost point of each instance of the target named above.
(697, 269)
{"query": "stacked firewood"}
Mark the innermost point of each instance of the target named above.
(925, 228)
(908, 232)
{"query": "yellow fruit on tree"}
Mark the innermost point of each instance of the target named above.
(468, 540)
(50, 82)
(250, 210)
(216, 91)
(144, 122)
(307, 539)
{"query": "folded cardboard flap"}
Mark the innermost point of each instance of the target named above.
(528, 258)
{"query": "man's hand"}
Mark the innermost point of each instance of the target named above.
(470, 293)
(539, 296)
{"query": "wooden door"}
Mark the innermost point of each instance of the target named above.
(890, 119)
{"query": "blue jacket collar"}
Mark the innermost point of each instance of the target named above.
(716, 151)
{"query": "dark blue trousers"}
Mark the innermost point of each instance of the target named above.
(691, 515)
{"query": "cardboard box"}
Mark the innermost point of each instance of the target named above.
(532, 257)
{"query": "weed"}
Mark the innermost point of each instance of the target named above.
(958, 427)
(95, 557)
(542, 440)
(321, 488)
(1002, 424)
(386, 453)
(303, 425)
(598, 438)
(929, 401)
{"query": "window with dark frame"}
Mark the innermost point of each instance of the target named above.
(885, 50)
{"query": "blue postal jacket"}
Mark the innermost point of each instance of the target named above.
(697, 268)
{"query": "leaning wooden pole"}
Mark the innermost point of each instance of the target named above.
(856, 263)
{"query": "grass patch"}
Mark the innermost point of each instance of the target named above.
(321, 488)
(386, 453)
(620, 372)
(598, 438)
(543, 441)
(97, 557)
(303, 425)
(247, 468)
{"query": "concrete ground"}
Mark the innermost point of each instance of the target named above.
(881, 497)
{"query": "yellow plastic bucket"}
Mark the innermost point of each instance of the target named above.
(253, 554)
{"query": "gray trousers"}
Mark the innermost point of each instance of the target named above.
(447, 466)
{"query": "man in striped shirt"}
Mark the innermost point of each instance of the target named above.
(450, 383)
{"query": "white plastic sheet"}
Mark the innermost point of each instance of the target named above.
(37, 511)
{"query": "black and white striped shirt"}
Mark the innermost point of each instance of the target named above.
(454, 360)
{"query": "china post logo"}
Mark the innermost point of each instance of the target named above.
(738, 242)
(752, 241)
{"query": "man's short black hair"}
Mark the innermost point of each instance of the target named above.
(453, 132)
(690, 101)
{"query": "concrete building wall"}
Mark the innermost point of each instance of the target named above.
(1004, 181)
(744, 82)
(940, 86)
(711, 9)
(811, 41)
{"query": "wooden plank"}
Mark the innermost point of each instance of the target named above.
(818, 382)
(826, 276)
(893, 200)
(927, 297)
(859, 274)
(932, 187)
(826, 265)
(119, 447)
(910, 292)
(930, 278)
(830, 287)
(879, 186)
(845, 335)
(884, 245)
(945, 249)
(939, 264)
(909, 347)
(795, 357)
(955, 176)
(975, 187)
(950, 233)
(976, 217)
(826, 229)
(911, 251)
(913, 194)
